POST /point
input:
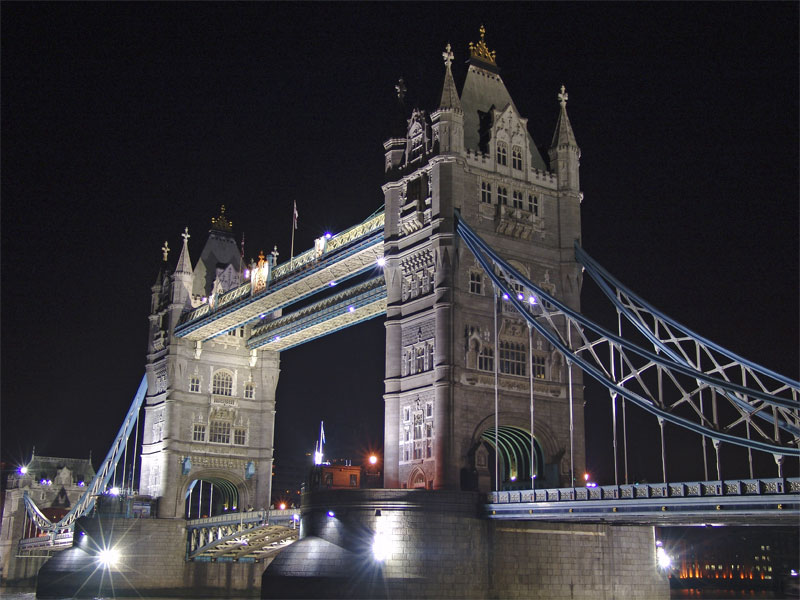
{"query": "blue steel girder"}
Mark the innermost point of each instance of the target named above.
(557, 323)
(349, 307)
(350, 253)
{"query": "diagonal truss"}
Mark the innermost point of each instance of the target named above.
(656, 381)
(101, 478)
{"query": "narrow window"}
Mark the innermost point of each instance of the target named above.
(517, 199)
(486, 192)
(533, 204)
(249, 390)
(486, 359)
(538, 367)
(194, 384)
(429, 357)
(516, 158)
(502, 196)
(239, 436)
(199, 433)
(420, 359)
(475, 283)
(502, 154)
(429, 410)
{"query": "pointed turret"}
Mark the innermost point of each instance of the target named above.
(181, 297)
(450, 99)
(448, 121)
(564, 151)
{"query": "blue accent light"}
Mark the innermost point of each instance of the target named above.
(330, 513)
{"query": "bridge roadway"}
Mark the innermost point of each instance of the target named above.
(729, 502)
(348, 254)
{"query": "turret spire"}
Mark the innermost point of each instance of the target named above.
(450, 98)
(184, 262)
(563, 134)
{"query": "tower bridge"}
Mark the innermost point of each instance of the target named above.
(476, 263)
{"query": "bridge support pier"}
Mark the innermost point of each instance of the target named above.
(434, 544)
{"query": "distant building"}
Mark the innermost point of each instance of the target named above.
(54, 484)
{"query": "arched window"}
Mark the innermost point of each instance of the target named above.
(418, 480)
(249, 390)
(512, 358)
(486, 359)
(486, 192)
(194, 384)
(222, 384)
(502, 154)
(516, 157)
(502, 196)
(517, 199)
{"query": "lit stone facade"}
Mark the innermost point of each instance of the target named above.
(210, 406)
(474, 154)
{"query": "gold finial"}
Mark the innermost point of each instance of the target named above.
(165, 250)
(481, 51)
(563, 97)
(221, 223)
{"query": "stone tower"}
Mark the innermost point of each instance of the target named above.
(210, 406)
(474, 154)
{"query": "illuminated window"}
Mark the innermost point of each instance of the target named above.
(220, 432)
(538, 366)
(249, 390)
(486, 192)
(502, 196)
(199, 433)
(502, 154)
(194, 384)
(222, 384)
(516, 198)
(486, 359)
(512, 358)
(516, 157)
(533, 204)
(475, 283)
(239, 436)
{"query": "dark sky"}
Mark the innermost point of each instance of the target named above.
(124, 123)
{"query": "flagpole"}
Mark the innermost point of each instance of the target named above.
(294, 226)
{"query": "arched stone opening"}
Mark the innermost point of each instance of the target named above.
(417, 479)
(209, 495)
(517, 465)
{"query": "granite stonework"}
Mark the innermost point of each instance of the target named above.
(439, 546)
(153, 564)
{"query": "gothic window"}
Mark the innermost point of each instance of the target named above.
(502, 153)
(431, 278)
(512, 358)
(222, 384)
(428, 451)
(249, 390)
(475, 283)
(405, 455)
(538, 366)
(429, 410)
(417, 452)
(426, 282)
(199, 433)
(486, 359)
(406, 414)
(429, 357)
(516, 157)
(194, 384)
(239, 436)
(502, 196)
(420, 359)
(428, 430)
(407, 365)
(533, 204)
(408, 434)
(418, 430)
(517, 199)
(220, 432)
(486, 192)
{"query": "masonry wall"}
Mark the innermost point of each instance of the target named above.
(153, 564)
(439, 546)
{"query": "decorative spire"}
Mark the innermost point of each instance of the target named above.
(481, 52)
(184, 262)
(448, 56)
(221, 223)
(563, 134)
(450, 98)
(165, 250)
(401, 89)
(563, 97)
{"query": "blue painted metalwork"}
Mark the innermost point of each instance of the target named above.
(101, 478)
(489, 259)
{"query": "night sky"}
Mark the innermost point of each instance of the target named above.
(124, 123)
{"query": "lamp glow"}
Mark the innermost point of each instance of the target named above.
(381, 262)
(282, 506)
(351, 309)
(23, 470)
(663, 559)
(331, 513)
(108, 557)
(373, 459)
(532, 300)
(114, 491)
(380, 547)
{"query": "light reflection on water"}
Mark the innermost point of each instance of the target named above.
(713, 594)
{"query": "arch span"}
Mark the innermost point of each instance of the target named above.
(518, 465)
